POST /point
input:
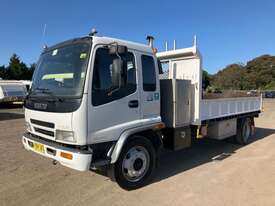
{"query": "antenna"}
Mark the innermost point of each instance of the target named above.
(174, 44)
(43, 36)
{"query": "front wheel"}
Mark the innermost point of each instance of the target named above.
(136, 163)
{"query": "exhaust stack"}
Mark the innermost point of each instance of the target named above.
(150, 40)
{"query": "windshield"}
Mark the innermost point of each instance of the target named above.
(61, 71)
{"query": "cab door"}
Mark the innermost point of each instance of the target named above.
(112, 111)
(150, 94)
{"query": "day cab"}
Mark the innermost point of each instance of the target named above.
(88, 98)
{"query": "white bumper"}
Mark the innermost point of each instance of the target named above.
(81, 160)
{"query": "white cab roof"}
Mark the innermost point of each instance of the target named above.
(129, 44)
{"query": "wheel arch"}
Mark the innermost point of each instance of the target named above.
(145, 131)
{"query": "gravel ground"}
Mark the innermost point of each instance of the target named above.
(209, 173)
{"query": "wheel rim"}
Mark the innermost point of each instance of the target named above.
(135, 163)
(246, 131)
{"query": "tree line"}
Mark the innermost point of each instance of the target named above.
(258, 74)
(16, 69)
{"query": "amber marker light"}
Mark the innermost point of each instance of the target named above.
(66, 155)
(159, 126)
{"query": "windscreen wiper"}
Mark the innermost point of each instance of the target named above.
(48, 92)
(52, 95)
(41, 89)
(32, 91)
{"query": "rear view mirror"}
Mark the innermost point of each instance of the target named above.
(119, 73)
(116, 72)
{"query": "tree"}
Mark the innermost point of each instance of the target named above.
(30, 71)
(16, 67)
(3, 72)
(231, 77)
(17, 70)
(205, 79)
(260, 72)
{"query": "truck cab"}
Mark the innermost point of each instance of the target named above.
(88, 96)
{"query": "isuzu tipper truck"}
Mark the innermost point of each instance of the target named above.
(104, 102)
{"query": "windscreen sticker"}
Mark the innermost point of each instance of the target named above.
(54, 52)
(58, 76)
(83, 55)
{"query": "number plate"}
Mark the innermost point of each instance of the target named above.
(39, 148)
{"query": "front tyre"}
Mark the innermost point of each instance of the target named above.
(135, 164)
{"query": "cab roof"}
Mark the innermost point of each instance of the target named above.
(104, 40)
(129, 44)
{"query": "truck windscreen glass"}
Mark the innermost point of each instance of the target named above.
(61, 71)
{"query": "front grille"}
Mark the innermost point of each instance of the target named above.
(45, 132)
(42, 123)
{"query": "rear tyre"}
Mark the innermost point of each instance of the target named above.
(244, 130)
(135, 164)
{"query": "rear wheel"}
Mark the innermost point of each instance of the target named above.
(244, 130)
(136, 163)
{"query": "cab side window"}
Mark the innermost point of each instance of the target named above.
(148, 73)
(102, 78)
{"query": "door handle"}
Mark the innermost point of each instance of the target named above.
(133, 103)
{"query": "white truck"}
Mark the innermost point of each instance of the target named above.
(12, 91)
(103, 102)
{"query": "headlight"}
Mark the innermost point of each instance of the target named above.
(28, 126)
(66, 136)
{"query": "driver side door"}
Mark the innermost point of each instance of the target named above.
(112, 111)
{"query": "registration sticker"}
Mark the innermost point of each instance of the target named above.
(54, 52)
(83, 55)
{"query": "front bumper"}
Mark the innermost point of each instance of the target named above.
(81, 159)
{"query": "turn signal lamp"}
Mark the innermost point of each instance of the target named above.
(66, 155)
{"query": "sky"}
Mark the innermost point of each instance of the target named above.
(228, 31)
